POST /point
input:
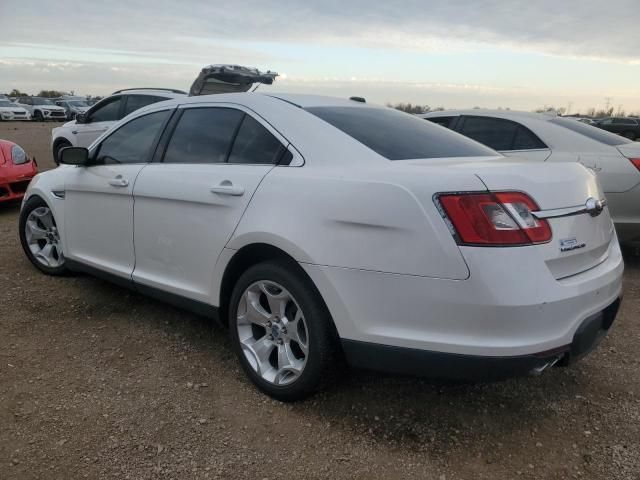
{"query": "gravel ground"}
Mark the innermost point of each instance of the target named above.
(99, 382)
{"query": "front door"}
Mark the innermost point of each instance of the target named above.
(188, 205)
(97, 121)
(98, 223)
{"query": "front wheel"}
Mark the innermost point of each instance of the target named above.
(282, 331)
(40, 238)
(37, 116)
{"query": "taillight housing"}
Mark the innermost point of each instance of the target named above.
(493, 219)
(636, 162)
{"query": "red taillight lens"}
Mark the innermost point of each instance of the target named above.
(636, 162)
(500, 218)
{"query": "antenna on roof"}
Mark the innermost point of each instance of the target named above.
(358, 99)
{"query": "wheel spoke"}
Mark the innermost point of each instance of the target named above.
(254, 312)
(289, 367)
(259, 350)
(34, 232)
(46, 254)
(294, 329)
(277, 299)
(44, 215)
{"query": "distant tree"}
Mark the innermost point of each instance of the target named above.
(51, 93)
(409, 108)
(17, 93)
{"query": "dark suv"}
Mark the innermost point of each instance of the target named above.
(627, 127)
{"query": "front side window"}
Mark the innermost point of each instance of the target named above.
(135, 102)
(108, 112)
(203, 135)
(625, 121)
(132, 142)
(254, 144)
(399, 136)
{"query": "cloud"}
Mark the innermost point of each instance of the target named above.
(579, 28)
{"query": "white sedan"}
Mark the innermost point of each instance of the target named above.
(321, 229)
(548, 138)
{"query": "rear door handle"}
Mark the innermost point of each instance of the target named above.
(119, 181)
(227, 188)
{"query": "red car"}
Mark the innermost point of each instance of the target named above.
(16, 171)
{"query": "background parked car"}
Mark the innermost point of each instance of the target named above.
(625, 126)
(41, 108)
(73, 106)
(88, 126)
(11, 111)
(16, 171)
(539, 137)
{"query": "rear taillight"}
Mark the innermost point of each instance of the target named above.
(494, 219)
(636, 162)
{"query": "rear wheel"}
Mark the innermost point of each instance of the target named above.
(40, 238)
(282, 331)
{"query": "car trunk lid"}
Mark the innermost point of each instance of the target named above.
(570, 199)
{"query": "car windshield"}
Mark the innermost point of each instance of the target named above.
(594, 133)
(6, 103)
(77, 103)
(400, 136)
(41, 101)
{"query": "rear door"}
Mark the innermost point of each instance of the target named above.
(99, 198)
(188, 204)
(506, 136)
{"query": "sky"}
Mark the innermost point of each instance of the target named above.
(519, 54)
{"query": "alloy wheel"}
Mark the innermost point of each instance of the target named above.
(42, 237)
(273, 332)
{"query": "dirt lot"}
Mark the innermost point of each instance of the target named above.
(98, 382)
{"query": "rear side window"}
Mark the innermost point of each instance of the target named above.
(132, 142)
(399, 136)
(495, 133)
(135, 102)
(203, 135)
(444, 121)
(594, 133)
(525, 139)
(254, 144)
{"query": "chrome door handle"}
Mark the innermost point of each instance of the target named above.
(227, 188)
(119, 181)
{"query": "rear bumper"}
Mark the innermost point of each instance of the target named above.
(451, 366)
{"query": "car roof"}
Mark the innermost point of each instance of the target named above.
(150, 90)
(507, 114)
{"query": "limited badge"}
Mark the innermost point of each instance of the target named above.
(569, 244)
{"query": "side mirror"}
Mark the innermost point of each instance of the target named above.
(81, 118)
(74, 156)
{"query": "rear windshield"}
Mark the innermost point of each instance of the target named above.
(594, 133)
(399, 136)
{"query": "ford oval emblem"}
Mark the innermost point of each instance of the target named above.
(594, 207)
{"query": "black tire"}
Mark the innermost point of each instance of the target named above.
(323, 343)
(629, 134)
(30, 206)
(59, 145)
(37, 116)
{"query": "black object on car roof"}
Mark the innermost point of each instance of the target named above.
(228, 79)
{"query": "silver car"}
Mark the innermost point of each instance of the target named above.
(549, 138)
